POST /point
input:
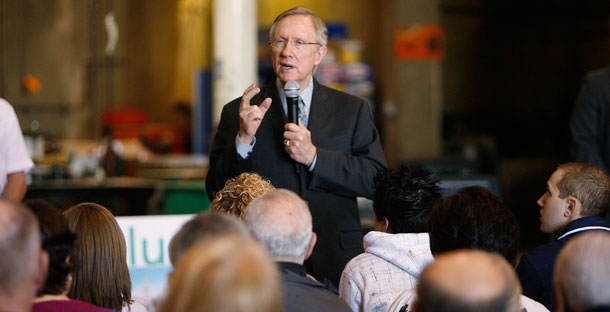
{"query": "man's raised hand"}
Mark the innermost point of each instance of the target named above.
(250, 116)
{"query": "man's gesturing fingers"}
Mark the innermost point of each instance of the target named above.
(251, 91)
(250, 116)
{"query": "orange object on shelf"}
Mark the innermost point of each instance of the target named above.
(31, 83)
(419, 42)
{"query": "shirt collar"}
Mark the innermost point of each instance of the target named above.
(305, 94)
(293, 267)
(582, 222)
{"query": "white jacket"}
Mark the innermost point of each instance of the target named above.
(390, 264)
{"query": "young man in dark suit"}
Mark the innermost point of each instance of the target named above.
(329, 158)
(577, 195)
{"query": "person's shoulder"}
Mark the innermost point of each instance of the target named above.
(599, 72)
(356, 264)
(297, 286)
(5, 106)
(541, 256)
(585, 222)
(345, 97)
(312, 299)
(67, 306)
(599, 77)
(304, 294)
(291, 277)
(544, 250)
(293, 280)
(370, 239)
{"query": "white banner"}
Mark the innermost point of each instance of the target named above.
(148, 239)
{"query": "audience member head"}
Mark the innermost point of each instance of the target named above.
(58, 242)
(54, 221)
(224, 274)
(403, 199)
(239, 192)
(573, 191)
(203, 226)
(468, 280)
(101, 277)
(474, 218)
(318, 23)
(582, 273)
(23, 264)
(280, 220)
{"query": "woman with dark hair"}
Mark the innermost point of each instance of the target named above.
(58, 242)
(102, 277)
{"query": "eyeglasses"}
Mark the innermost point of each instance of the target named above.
(300, 45)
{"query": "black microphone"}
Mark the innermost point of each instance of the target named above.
(291, 88)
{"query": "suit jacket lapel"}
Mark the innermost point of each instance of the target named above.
(318, 113)
(275, 115)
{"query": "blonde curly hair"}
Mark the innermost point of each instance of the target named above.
(238, 192)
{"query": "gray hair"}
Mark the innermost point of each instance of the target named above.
(280, 220)
(20, 247)
(320, 26)
(581, 272)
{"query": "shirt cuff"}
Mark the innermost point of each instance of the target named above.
(244, 149)
(313, 163)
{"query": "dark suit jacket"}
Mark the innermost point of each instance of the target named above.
(535, 270)
(590, 123)
(349, 156)
(302, 293)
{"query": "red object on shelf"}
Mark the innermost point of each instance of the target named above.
(121, 117)
(159, 137)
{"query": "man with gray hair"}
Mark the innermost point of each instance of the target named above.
(280, 220)
(328, 154)
(23, 264)
(582, 274)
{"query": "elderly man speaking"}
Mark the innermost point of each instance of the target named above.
(329, 157)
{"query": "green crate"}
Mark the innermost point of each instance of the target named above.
(184, 197)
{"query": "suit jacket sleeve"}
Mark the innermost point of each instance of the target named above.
(351, 173)
(587, 124)
(225, 162)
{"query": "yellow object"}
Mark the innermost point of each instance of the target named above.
(351, 51)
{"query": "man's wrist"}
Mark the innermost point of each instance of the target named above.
(245, 139)
(313, 162)
(244, 149)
